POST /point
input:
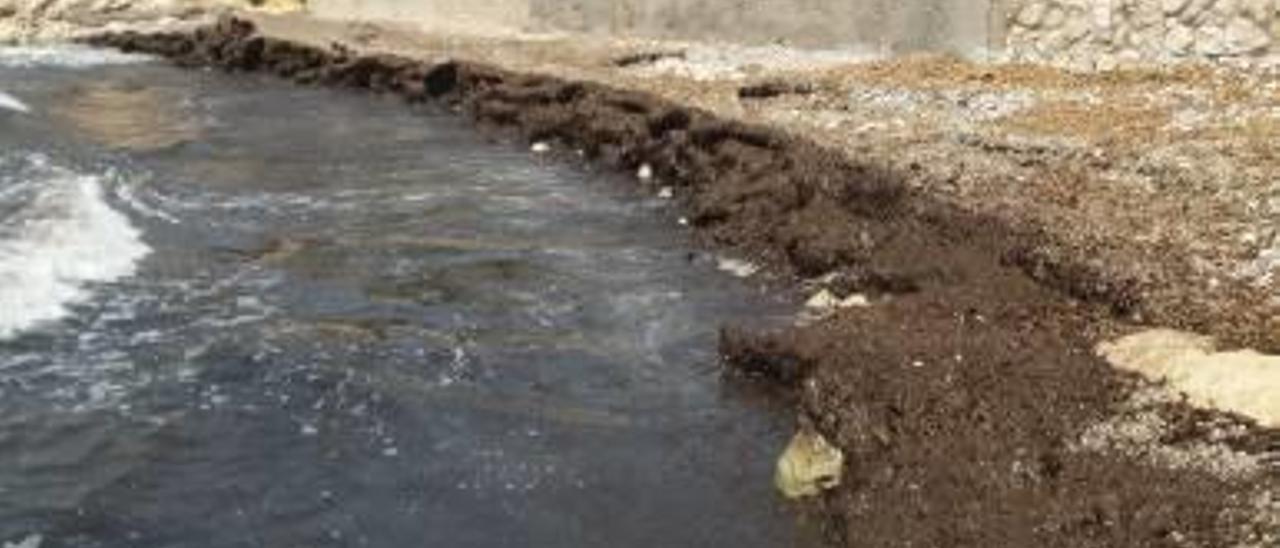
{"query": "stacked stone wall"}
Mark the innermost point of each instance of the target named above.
(1104, 34)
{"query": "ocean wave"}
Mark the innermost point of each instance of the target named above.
(58, 237)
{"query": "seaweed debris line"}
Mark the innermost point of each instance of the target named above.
(963, 390)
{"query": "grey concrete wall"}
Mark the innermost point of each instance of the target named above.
(879, 25)
(963, 26)
(465, 15)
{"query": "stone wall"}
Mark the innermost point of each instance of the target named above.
(1103, 34)
(881, 26)
(1083, 34)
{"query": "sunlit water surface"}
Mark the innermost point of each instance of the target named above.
(234, 312)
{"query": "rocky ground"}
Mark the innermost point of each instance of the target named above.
(977, 230)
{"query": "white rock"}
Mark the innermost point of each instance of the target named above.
(856, 300)
(1210, 41)
(666, 193)
(1179, 39)
(1107, 62)
(1243, 381)
(739, 268)
(1195, 9)
(1054, 18)
(645, 172)
(540, 147)
(822, 300)
(1032, 14)
(1076, 29)
(1243, 36)
(1102, 16)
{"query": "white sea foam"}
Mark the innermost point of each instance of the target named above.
(31, 541)
(64, 56)
(56, 243)
(9, 102)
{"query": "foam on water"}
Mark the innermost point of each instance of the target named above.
(64, 56)
(9, 102)
(56, 242)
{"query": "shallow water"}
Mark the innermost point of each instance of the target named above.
(235, 312)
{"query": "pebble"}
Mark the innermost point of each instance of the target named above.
(809, 466)
(739, 268)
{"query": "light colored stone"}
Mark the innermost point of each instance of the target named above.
(809, 466)
(1107, 62)
(1243, 36)
(1175, 7)
(1260, 11)
(1242, 381)
(1031, 14)
(822, 300)
(1195, 9)
(1102, 17)
(1179, 40)
(1210, 41)
(857, 300)
(1054, 18)
(1076, 29)
(736, 267)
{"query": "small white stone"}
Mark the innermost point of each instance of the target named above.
(857, 300)
(309, 430)
(540, 147)
(645, 172)
(739, 268)
(822, 300)
(683, 221)
(666, 193)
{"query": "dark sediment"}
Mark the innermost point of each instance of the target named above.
(956, 396)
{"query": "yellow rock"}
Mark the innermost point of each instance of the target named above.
(1243, 381)
(809, 466)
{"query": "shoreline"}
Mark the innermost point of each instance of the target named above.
(963, 395)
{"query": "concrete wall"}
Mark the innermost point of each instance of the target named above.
(1085, 34)
(463, 15)
(963, 26)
